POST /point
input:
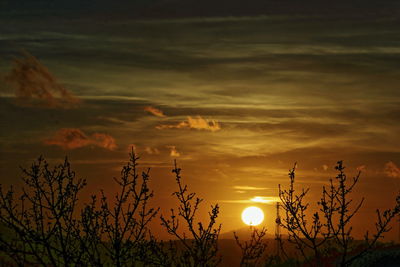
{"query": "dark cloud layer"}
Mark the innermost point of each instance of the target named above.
(205, 8)
(35, 85)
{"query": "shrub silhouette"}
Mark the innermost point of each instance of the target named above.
(202, 247)
(301, 233)
(333, 231)
(41, 222)
(119, 229)
(42, 225)
(46, 229)
(252, 249)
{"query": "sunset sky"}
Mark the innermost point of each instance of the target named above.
(236, 91)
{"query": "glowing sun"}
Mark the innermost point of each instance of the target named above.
(252, 216)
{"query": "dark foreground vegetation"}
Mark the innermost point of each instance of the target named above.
(44, 225)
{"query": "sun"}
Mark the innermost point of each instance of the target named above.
(252, 216)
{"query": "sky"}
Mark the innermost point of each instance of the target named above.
(235, 92)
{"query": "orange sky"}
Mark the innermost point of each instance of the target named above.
(236, 100)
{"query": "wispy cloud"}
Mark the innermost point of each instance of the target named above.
(392, 170)
(256, 199)
(249, 188)
(156, 112)
(72, 138)
(198, 123)
(173, 151)
(152, 151)
(265, 200)
(35, 86)
(180, 125)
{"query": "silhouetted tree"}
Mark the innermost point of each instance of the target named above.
(41, 222)
(335, 204)
(252, 249)
(44, 228)
(202, 247)
(119, 229)
(382, 226)
(335, 231)
(302, 233)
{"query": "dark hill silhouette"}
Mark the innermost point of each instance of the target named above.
(244, 233)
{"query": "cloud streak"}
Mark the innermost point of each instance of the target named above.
(152, 151)
(249, 188)
(156, 112)
(391, 170)
(72, 138)
(256, 199)
(265, 200)
(197, 123)
(34, 85)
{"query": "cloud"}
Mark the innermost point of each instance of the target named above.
(249, 188)
(71, 138)
(155, 111)
(391, 170)
(257, 199)
(265, 200)
(202, 124)
(180, 125)
(173, 151)
(35, 86)
(194, 123)
(152, 151)
(103, 140)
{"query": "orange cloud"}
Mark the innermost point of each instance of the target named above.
(202, 124)
(154, 111)
(391, 170)
(35, 85)
(104, 140)
(257, 199)
(152, 151)
(71, 138)
(194, 123)
(265, 200)
(180, 125)
(173, 151)
(249, 188)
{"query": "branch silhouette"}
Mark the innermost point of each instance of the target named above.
(252, 249)
(202, 247)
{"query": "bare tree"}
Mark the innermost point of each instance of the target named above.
(44, 227)
(41, 222)
(382, 226)
(120, 228)
(336, 230)
(89, 234)
(253, 249)
(335, 203)
(202, 247)
(303, 234)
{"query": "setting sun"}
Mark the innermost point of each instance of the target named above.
(252, 216)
